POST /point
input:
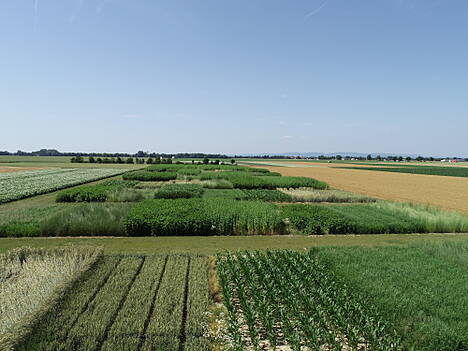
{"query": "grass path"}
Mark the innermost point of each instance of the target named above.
(213, 244)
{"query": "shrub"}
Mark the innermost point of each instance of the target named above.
(217, 184)
(317, 220)
(150, 176)
(129, 195)
(332, 195)
(203, 217)
(179, 191)
(189, 172)
(118, 183)
(91, 193)
(266, 195)
(87, 220)
(293, 182)
(376, 219)
(235, 194)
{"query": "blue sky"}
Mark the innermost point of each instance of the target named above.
(237, 76)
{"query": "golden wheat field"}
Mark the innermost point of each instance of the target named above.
(445, 192)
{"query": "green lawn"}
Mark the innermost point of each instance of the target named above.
(213, 244)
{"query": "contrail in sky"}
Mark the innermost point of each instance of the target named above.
(36, 10)
(318, 9)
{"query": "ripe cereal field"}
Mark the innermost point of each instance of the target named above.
(449, 193)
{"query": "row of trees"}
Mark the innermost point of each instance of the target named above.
(139, 154)
(131, 160)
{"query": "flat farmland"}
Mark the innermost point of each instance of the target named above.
(9, 169)
(449, 193)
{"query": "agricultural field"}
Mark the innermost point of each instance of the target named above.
(18, 185)
(30, 278)
(10, 162)
(194, 257)
(155, 302)
(333, 298)
(449, 193)
(428, 170)
(201, 200)
(346, 298)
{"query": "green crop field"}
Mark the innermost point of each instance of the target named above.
(129, 302)
(199, 199)
(325, 298)
(223, 257)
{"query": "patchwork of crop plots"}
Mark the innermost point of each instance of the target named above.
(354, 298)
(130, 303)
(220, 200)
(18, 185)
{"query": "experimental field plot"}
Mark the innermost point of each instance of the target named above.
(289, 301)
(18, 185)
(130, 303)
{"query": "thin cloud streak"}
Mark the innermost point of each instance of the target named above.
(36, 12)
(317, 10)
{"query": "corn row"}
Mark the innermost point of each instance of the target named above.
(285, 298)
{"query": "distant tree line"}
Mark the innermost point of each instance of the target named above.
(138, 156)
(53, 152)
(140, 160)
